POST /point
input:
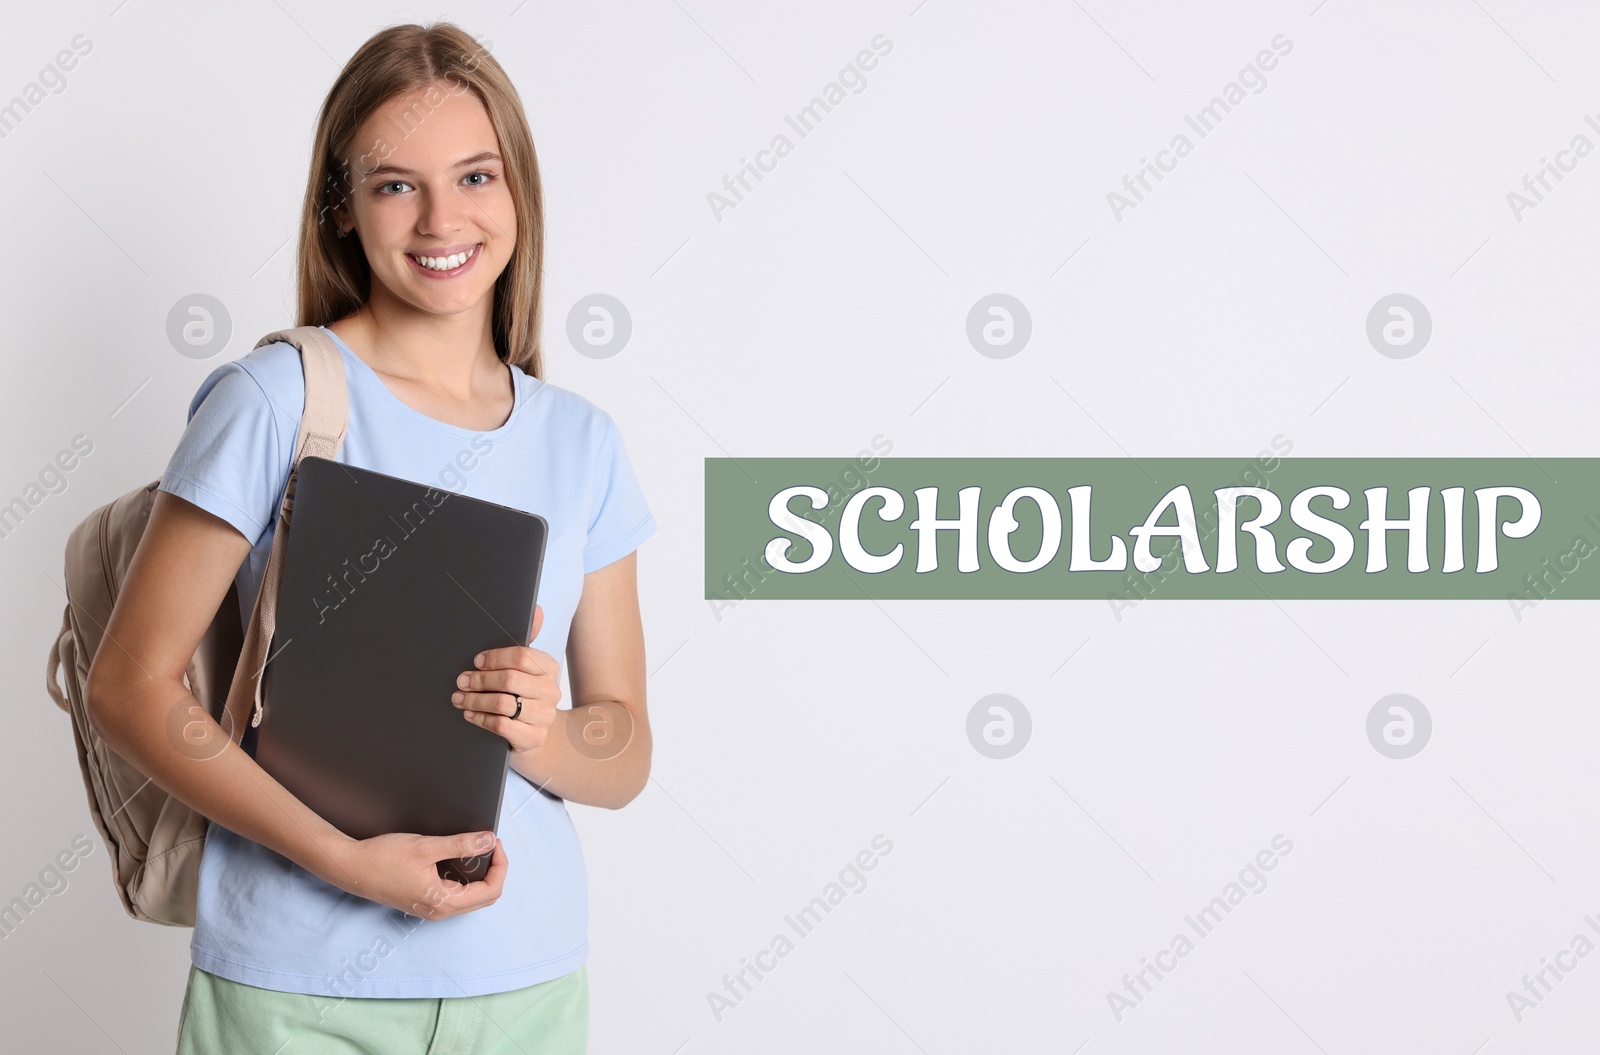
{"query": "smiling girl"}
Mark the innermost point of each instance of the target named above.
(420, 253)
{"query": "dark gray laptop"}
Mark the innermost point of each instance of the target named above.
(389, 588)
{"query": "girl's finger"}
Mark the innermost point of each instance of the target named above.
(518, 681)
(521, 658)
(520, 735)
(489, 702)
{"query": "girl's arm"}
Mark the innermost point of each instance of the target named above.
(138, 704)
(597, 753)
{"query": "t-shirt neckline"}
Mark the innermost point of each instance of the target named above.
(370, 377)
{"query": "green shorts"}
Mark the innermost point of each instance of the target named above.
(223, 1017)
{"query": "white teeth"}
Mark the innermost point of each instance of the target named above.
(445, 263)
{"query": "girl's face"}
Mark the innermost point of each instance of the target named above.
(430, 201)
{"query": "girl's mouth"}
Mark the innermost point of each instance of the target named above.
(446, 265)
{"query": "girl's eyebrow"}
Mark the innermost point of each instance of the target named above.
(476, 159)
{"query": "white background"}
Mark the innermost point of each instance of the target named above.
(829, 307)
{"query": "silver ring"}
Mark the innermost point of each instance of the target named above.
(518, 712)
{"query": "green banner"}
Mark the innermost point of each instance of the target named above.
(1152, 528)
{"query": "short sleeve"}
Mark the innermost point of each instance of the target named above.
(619, 519)
(231, 461)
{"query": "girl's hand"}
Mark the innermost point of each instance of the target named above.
(401, 871)
(488, 695)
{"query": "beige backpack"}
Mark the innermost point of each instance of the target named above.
(155, 841)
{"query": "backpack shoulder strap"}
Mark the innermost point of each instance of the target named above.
(322, 425)
(322, 431)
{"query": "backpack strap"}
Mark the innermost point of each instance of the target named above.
(322, 430)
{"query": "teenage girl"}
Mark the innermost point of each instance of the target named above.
(420, 252)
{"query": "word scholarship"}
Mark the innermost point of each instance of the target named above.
(1310, 541)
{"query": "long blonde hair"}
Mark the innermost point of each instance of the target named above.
(334, 279)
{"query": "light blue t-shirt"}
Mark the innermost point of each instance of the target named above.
(265, 921)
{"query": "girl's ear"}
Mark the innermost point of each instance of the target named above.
(337, 213)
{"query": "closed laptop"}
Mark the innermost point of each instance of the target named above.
(389, 589)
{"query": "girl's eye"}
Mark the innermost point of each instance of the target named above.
(487, 178)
